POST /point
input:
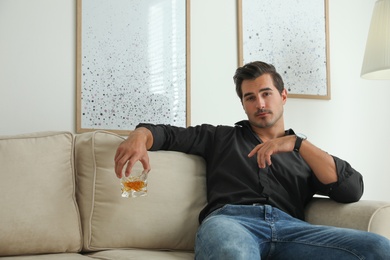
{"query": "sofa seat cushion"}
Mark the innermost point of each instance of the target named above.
(139, 254)
(39, 213)
(167, 218)
(63, 256)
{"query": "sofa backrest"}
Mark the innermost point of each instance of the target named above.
(167, 218)
(38, 210)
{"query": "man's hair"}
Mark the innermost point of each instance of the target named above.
(254, 70)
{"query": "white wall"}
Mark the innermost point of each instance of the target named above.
(37, 79)
(37, 65)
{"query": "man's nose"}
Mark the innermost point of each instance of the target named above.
(260, 102)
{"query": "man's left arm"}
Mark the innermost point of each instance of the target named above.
(336, 178)
(333, 176)
(320, 162)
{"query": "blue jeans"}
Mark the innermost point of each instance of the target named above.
(240, 232)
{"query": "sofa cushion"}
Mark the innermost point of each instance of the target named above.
(37, 194)
(141, 254)
(167, 218)
(61, 256)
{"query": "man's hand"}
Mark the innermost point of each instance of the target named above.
(273, 146)
(133, 149)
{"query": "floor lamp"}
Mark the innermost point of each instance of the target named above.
(376, 63)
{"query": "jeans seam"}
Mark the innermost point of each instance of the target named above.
(205, 249)
(323, 245)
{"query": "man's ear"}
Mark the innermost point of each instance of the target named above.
(284, 96)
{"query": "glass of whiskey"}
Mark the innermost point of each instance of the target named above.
(136, 184)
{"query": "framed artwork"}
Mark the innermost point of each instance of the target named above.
(133, 60)
(293, 36)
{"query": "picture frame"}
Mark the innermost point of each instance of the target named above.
(293, 36)
(133, 64)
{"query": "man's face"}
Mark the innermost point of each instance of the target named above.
(262, 102)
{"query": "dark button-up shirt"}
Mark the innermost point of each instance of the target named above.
(233, 178)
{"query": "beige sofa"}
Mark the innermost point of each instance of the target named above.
(60, 199)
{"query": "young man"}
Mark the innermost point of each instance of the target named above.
(260, 177)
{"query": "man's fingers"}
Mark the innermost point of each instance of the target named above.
(254, 150)
(145, 164)
(119, 164)
(264, 158)
(129, 164)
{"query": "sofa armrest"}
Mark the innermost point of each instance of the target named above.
(364, 215)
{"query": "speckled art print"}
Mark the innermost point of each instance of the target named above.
(132, 64)
(291, 35)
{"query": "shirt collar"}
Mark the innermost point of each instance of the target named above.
(245, 123)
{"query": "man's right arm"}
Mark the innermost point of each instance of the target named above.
(134, 148)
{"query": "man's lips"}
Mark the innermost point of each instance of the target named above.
(262, 113)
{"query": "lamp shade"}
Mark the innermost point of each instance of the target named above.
(376, 63)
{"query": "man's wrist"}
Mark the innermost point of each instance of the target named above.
(299, 138)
